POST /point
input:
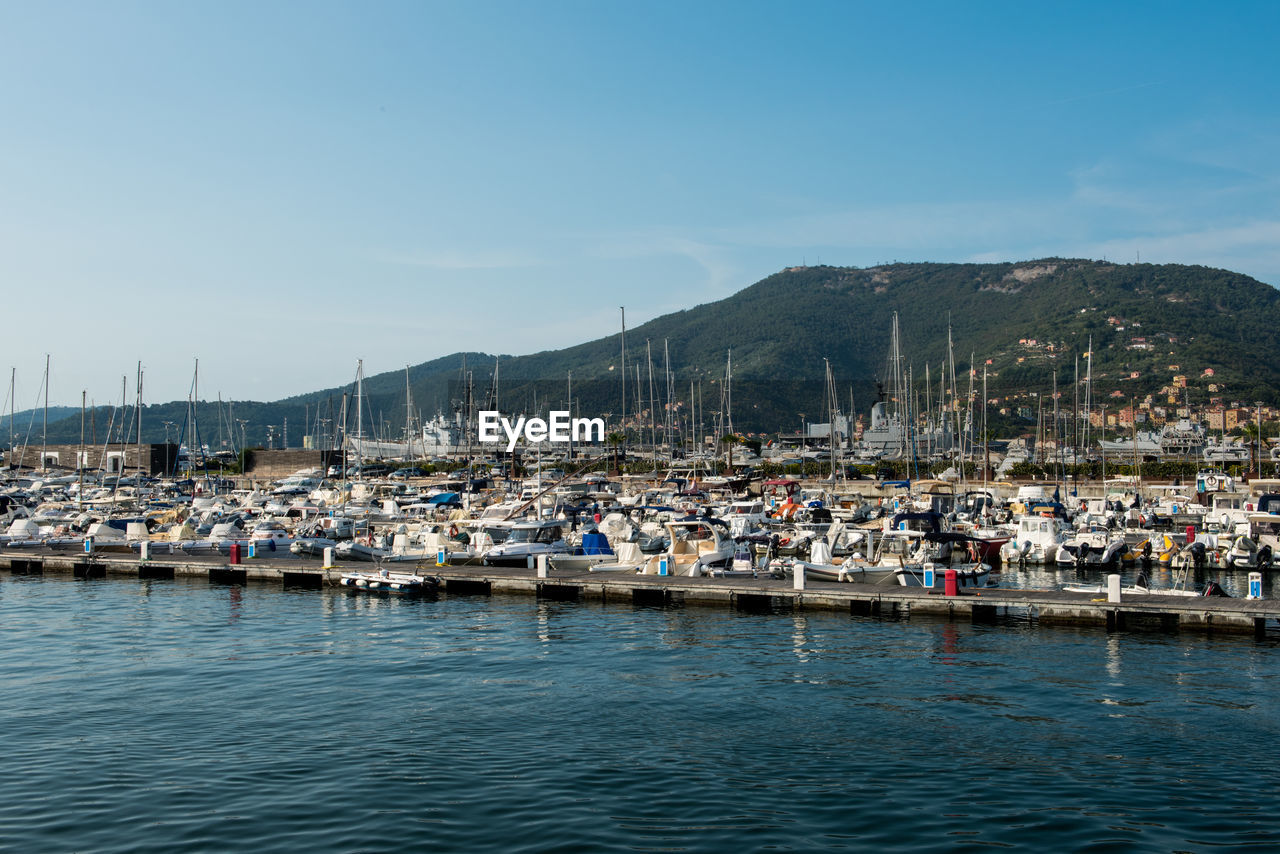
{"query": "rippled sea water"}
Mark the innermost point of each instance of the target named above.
(184, 716)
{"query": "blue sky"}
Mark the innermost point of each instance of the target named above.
(280, 189)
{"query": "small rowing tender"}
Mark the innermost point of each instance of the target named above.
(383, 580)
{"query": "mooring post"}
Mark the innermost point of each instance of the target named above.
(542, 566)
(797, 578)
(144, 551)
(328, 557)
(1113, 587)
(1255, 585)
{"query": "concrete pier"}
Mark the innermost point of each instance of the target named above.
(1041, 607)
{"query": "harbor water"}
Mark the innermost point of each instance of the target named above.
(161, 716)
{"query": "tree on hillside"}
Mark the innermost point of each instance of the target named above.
(729, 440)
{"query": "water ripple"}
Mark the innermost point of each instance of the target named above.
(178, 715)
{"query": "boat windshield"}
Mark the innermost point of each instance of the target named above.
(497, 534)
(534, 535)
(695, 532)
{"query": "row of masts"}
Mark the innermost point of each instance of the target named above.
(924, 424)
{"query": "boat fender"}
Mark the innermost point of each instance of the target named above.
(973, 552)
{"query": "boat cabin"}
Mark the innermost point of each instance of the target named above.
(549, 531)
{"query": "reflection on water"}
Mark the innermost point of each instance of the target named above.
(170, 715)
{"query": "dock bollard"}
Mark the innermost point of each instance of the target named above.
(144, 550)
(1113, 587)
(930, 578)
(253, 548)
(442, 558)
(88, 545)
(950, 584)
(1255, 585)
(797, 579)
(542, 566)
(328, 558)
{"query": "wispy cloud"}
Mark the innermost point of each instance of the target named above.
(1105, 93)
(711, 254)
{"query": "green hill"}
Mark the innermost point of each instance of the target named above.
(1147, 322)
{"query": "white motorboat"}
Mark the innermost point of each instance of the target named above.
(312, 546)
(384, 580)
(1243, 554)
(357, 550)
(821, 566)
(627, 558)
(694, 548)
(528, 541)
(1091, 548)
(1036, 540)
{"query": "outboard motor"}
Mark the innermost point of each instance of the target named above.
(1197, 554)
(1215, 589)
(1082, 555)
(1264, 558)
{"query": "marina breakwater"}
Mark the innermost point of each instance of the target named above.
(1043, 607)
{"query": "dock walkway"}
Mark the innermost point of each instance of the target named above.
(1043, 607)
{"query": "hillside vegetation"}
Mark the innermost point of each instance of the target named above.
(1148, 320)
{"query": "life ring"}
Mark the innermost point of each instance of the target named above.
(784, 541)
(453, 530)
(1211, 481)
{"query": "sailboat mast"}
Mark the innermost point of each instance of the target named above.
(986, 448)
(668, 392)
(830, 402)
(408, 413)
(1088, 396)
(623, 420)
(728, 391)
(1075, 413)
(44, 432)
(693, 411)
(80, 460)
(359, 419)
(653, 424)
(139, 418)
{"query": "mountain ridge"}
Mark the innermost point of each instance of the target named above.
(782, 331)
